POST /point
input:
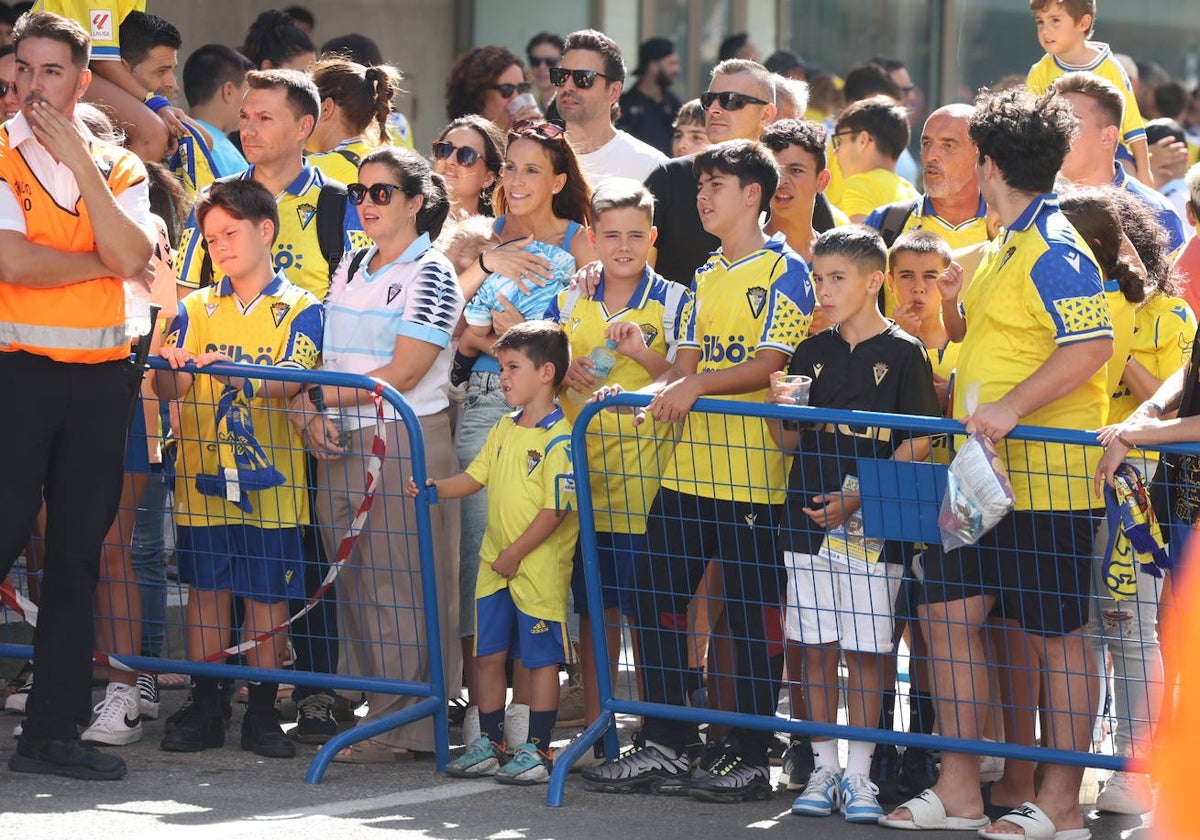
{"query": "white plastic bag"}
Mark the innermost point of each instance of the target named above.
(978, 492)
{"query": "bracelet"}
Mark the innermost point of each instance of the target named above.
(1125, 443)
(483, 267)
(156, 103)
(1158, 409)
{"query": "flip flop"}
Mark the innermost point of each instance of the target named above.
(991, 810)
(373, 752)
(1037, 826)
(929, 814)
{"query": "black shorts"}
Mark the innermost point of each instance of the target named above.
(1038, 565)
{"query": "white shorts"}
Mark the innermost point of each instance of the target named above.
(836, 602)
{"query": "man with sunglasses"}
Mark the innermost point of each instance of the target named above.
(649, 109)
(738, 105)
(544, 51)
(589, 80)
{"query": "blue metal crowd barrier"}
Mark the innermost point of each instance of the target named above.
(900, 501)
(432, 693)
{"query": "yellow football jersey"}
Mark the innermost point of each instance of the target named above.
(526, 471)
(625, 462)
(1037, 289)
(1164, 328)
(764, 301)
(282, 327)
(863, 192)
(100, 18)
(1042, 76)
(342, 161)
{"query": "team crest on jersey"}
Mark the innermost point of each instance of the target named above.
(817, 368)
(751, 518)
(649, 333)
(757, 296)
(575, 324)
(279, 311)
(306, 212)
(532, 459)
(1008, 255)
(287, 576)
(880, 370)
(210, 308)
(394, 290)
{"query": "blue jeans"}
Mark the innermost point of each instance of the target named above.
(484, 407)
(153, 540)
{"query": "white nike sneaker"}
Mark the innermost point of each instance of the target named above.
(118, 717)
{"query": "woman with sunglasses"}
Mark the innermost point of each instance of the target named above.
(468, 154)
(543, 205)
(488, 81)
(355, 104)
(390, 312)
(544, 52)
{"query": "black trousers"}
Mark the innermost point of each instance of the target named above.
(683, 533)
(63, 431)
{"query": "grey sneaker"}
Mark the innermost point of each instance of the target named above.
(528, 766)
(482, 758)
(730, 778)
(641, 767)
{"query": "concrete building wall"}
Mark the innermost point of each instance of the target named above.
(418, 36)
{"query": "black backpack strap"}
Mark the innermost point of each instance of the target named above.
(894, 217)
(356, 261)
(350, 156)
(331, 223)
(206, 265)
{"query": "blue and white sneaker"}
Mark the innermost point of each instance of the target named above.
(528, 766)
(859, 803)
(821, 795)
(482, 758)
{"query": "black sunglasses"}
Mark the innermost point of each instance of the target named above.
(466, 155)
(5, 87)
(548, 130)
(730, 100)
(508, 90)
(381, 194)
(583, 79)
(538, 61)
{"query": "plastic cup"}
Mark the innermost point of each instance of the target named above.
(796, 386)
(521, 102)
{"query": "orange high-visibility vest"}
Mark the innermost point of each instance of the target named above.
(82, 322)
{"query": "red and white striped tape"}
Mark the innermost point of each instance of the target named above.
(29, 610)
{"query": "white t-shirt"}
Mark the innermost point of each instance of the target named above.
(416, 296)
(624, 156)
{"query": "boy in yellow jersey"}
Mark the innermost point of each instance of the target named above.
(867, 141)
(1063, 29)
(233, 540)
(915, 261)
(525, 559)
(721, 495)
(641, 313)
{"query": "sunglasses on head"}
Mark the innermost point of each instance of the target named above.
(730, 100)
(583, 79)
(548, 130)
(508, 91)
(381, 194)
(465, 155)
(538, 60)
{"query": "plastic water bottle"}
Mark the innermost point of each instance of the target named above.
(137, 311)
(603, 358)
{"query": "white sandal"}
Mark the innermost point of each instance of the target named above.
(929, 814)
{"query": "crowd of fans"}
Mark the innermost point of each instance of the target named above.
(578, 230)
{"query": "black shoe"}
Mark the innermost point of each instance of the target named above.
(196, 728)
(798, 763)
(727, 777)
(885, 772)
(918, 771)
(173, 719)
(72, 759)
(262, 735)
(315, 723)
